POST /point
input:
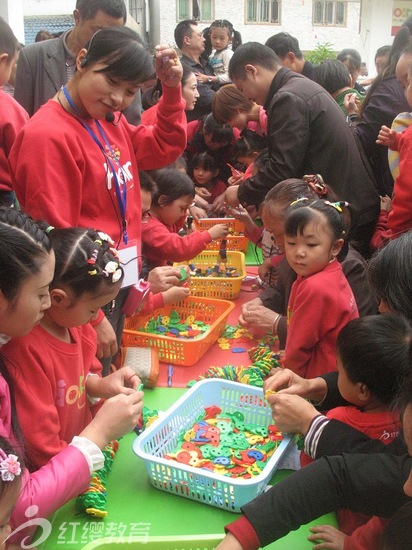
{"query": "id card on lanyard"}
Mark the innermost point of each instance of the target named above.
(128, 261)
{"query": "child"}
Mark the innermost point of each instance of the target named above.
(54, 368)
(218, 37)
(161, 243)
(26, 251)
(400, 217)
(204, 171)
(372, 355)
(321, 301)
(247, 149)
(12, 115)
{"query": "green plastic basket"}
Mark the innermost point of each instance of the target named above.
(184, 542)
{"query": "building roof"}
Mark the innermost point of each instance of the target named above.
(52, 23)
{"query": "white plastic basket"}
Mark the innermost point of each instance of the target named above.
(199, 484)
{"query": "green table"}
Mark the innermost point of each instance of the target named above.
(136, 509)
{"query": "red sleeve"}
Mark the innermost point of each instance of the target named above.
(256, 235)
(366, 536)
(160, 244)
(381, 234)
(400, 217)
(98, 320)
(153, 302)
(243, 530)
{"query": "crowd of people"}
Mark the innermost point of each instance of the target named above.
(93, 171)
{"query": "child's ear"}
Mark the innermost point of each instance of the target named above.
(364, 393)
(162, 200)
(58, 297)
(337, 247)
(216, 172)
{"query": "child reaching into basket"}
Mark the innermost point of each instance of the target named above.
(321, 301)
(54, 368)
(204, 171)
(174, 194)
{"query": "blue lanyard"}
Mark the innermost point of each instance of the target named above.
(121, 196)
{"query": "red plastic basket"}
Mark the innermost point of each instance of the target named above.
(178, 351)
(234, 242)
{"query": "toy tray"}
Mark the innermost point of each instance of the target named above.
(227, 288)
(176, 350)
(234, 242)
(184, 542)
(200, 484)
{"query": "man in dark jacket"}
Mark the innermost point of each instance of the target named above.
(307, 134)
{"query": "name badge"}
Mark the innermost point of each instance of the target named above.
(128, 261)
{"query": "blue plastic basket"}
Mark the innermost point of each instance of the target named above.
(199, 484)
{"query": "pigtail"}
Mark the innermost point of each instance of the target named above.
(236, 39)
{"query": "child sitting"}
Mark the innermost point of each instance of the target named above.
(58, 357)
(372, 355)
(204, 171)
(161, 243)
(321, 301)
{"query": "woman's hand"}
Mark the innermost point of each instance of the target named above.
(332, 538)
(169, 70)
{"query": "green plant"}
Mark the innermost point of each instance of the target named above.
(320, 53)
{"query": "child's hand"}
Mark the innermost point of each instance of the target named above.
(117, 417)
(264, 269)
(386, 203)
(332, 538)
(176, 294)
(203, 78)
(203, 192)
(124, 380)
(387, 137)
(218, 231)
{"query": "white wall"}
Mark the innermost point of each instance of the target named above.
(375, 29)
(12, 12)
(48, 7)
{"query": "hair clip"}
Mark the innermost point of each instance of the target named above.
(112, 268)
(300, 199)
(9, 466)
(316, 183)
(49, 229)
(105, 237)
(337, 205)
(92, 261)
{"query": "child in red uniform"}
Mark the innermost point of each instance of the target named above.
(321, 301)
(372, 360)
(161, 243)
(204, 171)
(54, 368)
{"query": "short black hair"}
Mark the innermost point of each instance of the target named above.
(8, 42)
(375, 350)
(332, 75)
(253, 53)
(351, 55)
(282, 43)
(173, 184)
(182, 29)
(113, 8)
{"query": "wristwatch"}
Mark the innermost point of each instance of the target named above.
(210, 79)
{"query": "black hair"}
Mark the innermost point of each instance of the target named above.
(123, 50)
(282, 43)
(172, 184)
(397, 534)
(390, 275)
(382, 51)
(10, 449)
(338, 216)
(147, 183)
(249, 142)
(204, 160)
(8, 42)
(253, 53)
(86, 261)
(24, 246)
(152, 95)
(114, 8)
(43, 34)
(182, 29)
(376, 351)
(236, 38)
(221, 133)
(332, 75)
(350, 55)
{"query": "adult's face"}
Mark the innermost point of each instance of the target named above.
(402, 69)
(85, 28)
(196, 41)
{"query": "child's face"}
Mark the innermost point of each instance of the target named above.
(408, 89)
(174, 211)
(219, 38)
(202, 176)
(146, 199)
(311, 252)
(26, 310)
(75, 311)
(213, 145)
(7, 503)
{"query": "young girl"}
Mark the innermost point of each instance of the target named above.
(189, 92)
(218, 37)
(161, 243)
(96, 153)
(230, 106)
(321, 301)
(54, 368)
(373, 359)
(24, 284)
(204, 171)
